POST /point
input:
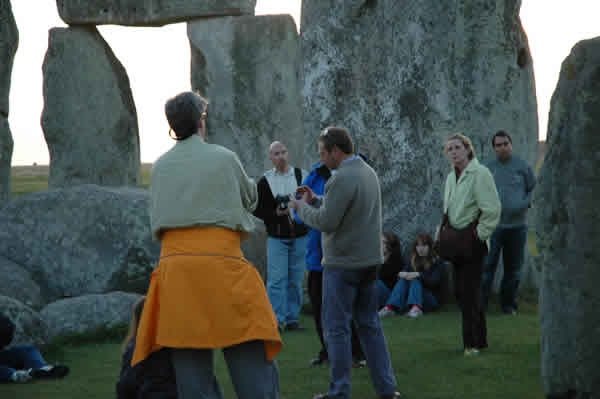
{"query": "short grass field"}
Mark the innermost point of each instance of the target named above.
(426, 355)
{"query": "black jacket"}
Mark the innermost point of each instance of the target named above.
(277, 226)
(388, 273)
(153, 378)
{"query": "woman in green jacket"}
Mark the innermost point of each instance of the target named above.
(470, 199)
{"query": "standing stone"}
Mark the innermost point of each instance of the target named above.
(248, 68)
(148, 12)
(89, 118)
(402, 75)
(9, 41)
(567, 225)
(6, 148)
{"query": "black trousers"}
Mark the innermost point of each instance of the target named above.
(315, 293)
(467, 286)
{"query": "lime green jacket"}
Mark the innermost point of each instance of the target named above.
(474, 191)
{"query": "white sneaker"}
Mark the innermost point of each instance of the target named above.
(414, 312)
(20, 376)
(386, 311)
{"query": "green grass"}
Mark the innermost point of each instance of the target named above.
(425, 354)
(31, 179)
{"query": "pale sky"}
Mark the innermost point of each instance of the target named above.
(158, 65)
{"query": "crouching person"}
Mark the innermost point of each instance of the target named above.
(153, 378)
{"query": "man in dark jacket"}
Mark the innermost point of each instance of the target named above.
(286, 244)
(23, 362)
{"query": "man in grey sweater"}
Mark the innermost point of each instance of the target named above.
(349, 216)
(515, 182)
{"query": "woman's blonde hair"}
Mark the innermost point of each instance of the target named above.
(136, 315)
(464, 140)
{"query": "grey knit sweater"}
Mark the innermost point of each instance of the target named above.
(349, 216)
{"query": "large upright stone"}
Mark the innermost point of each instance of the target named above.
(9, 41)
(248, 68)
(148, 12)
(6, 149)
(402, 75)
(89, 118)
(567, 225)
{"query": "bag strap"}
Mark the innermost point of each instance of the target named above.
(298, 173)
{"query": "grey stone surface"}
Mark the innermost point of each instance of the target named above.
(9, 41)
(89, 117)
(6, 149)
(81, 240)
(567, 225)
(402, 75)
(29, 326)
(17, 283)
(248, 68)
(88, 313)
(148, 12)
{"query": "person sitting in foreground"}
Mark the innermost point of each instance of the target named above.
(418, 285)
(154, 377)
(21, 363)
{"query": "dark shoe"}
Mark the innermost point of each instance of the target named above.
(395, 395)
(49, 371)
(509, 310)
(318, 361)
(358, 364)
(294, 327)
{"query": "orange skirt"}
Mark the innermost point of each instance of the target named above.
(205, 294)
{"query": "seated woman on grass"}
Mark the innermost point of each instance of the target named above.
(417, 286)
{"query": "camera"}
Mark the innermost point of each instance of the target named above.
(282, 201)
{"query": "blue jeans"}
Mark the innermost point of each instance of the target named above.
(405, 293)
(352, 295)
(252, 375)
(511, 241)
(21, 357)
(285, 273)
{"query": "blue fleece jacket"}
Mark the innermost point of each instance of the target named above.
(316, 181)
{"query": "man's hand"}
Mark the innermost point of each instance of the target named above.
(409, 275)
(306, 194)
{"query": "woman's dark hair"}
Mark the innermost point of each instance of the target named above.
(183, 113)
(7, 331)
(136, 315)
(338, 137)
(422, 263)
(392, 242)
